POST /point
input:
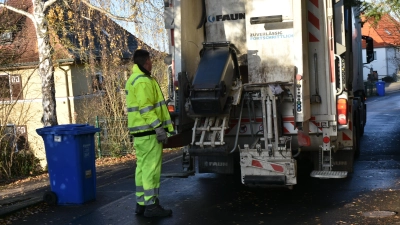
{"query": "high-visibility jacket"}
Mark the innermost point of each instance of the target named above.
(145, 104)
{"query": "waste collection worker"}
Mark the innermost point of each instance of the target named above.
(148, 121)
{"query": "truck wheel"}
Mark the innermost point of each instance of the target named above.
(50, 198)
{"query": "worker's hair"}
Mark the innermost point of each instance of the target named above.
(140, 56)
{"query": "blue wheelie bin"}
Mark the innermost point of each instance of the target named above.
(70, 154)
(380, 88)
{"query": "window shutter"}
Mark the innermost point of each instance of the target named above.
(16, 85)
(22, 137)
(4, 88)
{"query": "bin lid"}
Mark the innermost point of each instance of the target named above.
(74, 129)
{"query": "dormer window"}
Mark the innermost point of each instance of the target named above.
(6, 37)
(97, 82)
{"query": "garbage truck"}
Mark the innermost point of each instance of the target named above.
(262, 84)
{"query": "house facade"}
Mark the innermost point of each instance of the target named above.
(21, 86)
(386, 35)
(23, 110)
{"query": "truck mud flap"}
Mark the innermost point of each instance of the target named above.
(216, 164)
(343, 160)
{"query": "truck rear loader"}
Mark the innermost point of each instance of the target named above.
(262, 84)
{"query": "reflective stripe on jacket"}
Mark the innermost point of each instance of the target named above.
(145, 103)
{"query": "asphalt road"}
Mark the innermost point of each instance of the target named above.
(370, 195)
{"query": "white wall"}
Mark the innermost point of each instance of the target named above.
(382, 64)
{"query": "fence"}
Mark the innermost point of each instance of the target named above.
(370, 88)
(113, 139)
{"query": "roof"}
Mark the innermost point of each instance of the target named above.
(24, 48)
(385, 33)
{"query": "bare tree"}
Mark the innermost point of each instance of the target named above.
(377, 8)
(387, 11)
(395, 60)
(137, 12)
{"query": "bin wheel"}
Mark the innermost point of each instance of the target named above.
(50, 198)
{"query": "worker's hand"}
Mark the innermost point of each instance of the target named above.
(161, 135)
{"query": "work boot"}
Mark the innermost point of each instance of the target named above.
(140, 209)
(156, 210)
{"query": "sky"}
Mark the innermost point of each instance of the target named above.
(155, 34)
(150, 27)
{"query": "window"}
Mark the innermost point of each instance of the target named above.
(6, 37)
(15, 136)
(10, 87)
(375, 58)
(4, 88)
(97, 82)
(22, 137)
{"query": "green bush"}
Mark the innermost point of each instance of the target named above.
(15, 163)
(388, 79)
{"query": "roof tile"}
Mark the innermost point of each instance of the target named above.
(385, 33)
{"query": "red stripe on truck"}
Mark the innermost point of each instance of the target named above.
(313, 19)
(256, 163)
(277, 168)
(315, 2)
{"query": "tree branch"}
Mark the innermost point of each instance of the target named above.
(30, 16)
(47, 4)
(112, 16)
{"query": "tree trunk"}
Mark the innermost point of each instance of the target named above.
(46, 69)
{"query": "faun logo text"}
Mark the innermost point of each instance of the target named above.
(215, 164)
(233, 16)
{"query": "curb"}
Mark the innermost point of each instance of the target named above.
(19, 205)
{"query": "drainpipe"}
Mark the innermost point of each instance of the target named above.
(387, 62)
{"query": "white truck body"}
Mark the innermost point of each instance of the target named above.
(274, 82)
